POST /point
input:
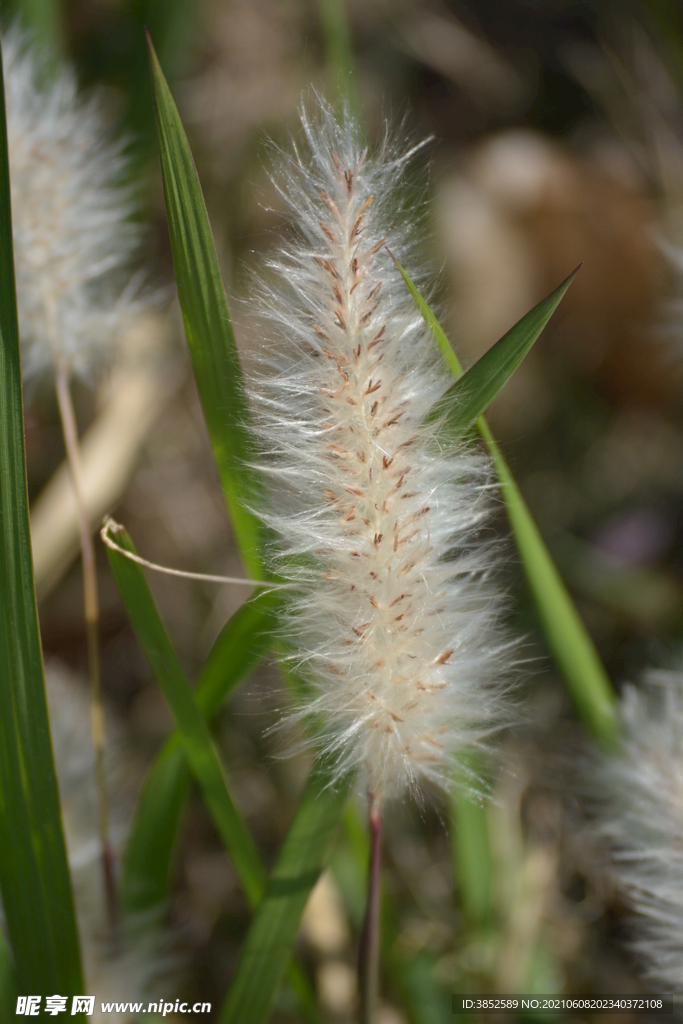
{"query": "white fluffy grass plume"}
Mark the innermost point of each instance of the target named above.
(639, 794)
(394, 618)
(73, 237)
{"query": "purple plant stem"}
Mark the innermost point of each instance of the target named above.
(368, 954)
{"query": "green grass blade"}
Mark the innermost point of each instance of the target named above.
(568, 638)
(242, 643)
(432, 323)
(148, 861)
(240, 646)
(472, 394)
(472, 855)
(34, 877)
(335, 23)
(207, 321)
(194, 732)
(149, 856)
(574, 651)
(268, 945)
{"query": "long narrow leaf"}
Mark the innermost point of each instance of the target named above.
(339, 52)
(241, 644)
(474, 391)
(239, 647)
(151, 846)
(194, 732)
(472, 855)
(268, 945)
(207, 321)
(34, 877)
(568, 639)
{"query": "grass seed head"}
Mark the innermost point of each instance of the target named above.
(394, 622)
(637, 796)
(73, 236)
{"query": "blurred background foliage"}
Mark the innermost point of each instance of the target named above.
(558, 137)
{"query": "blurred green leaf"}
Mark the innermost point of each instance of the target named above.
(269, 941)
(473, 392)
(8, 982)
(568, 639)
(335, 22)
(194, 732)
(150, 850)
(242, 643)
(472, 855)
(172, 24)
(240, 646)
(207, 322)
(34, 876)
(45, 20)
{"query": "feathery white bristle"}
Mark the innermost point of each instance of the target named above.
(73, 237)
(395, 618)
(638, 798)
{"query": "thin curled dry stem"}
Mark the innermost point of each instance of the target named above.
(110, 526)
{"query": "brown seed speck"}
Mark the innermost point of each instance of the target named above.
(376, 247)
(331, 205)
(442, 658)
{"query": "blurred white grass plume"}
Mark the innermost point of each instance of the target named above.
(73, 236)
(395, 616)
(73, 240)
(638, 799)
(142, 960)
